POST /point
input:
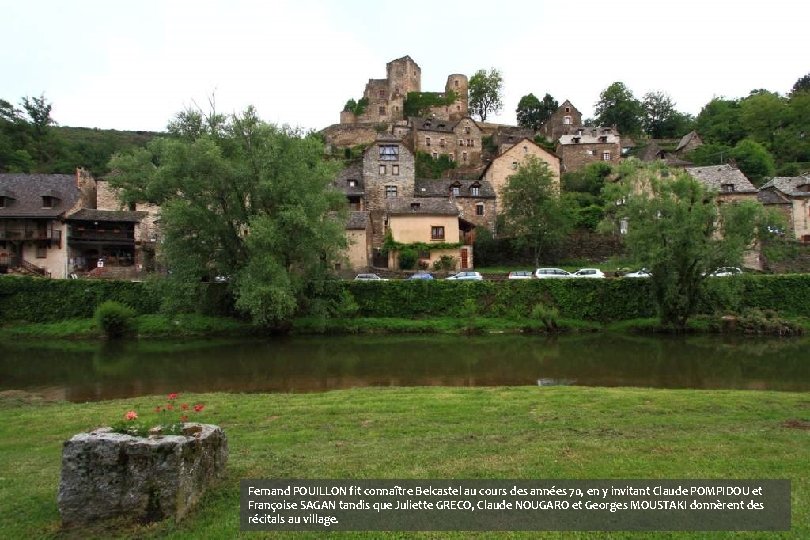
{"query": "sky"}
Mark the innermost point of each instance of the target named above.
(133, 65)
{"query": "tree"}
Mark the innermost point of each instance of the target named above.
(754, 160)
(533, 211)
(677, 231)
(719, 122)
(617, 107)
(762, 115)
(533, 113)
(801, 85)
(661, 120)
(485, 91)
(245, 200)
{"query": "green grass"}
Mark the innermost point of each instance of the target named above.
(430, 433)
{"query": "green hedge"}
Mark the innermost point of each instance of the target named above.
(49, 300)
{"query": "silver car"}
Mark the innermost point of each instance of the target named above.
(467, 276)
(551, 273)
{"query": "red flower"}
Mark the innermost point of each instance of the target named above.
(184, 418)
(131, 415)
(169, 407)
(198, 407)
(173, 395)
(184, 406)
(158, 409)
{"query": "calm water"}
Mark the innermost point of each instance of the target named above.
(88, 372)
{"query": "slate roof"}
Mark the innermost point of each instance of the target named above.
(87, 214)
(714, 176)
(429, 187)
(590, 135)
(354, 172)
(433, 124)
(357, 220)
(772, 196)
(24, 192)
(686, 139)
(789, 185)
(408, 205)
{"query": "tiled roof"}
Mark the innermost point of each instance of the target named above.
(24, 192)
(354, 172)
(433, 124)
(408, 205)
(685, 140)
(715, 176)
(357, 220)
(772, 196)
(789, 185)
(429, 187)
(86, 214)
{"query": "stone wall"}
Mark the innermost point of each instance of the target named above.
(348, 135)
(468, 210)
(505, 165)
(576, 156)
(378, 174)
(561, 121)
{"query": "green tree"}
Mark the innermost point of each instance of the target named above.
(754, 160)
(661, 120)
(534, 214)
(762, 115)
(532, 113)
(719, 122)
(485, 93)
(617, 106)
(245, 200)
(801, 85)
(676, 230)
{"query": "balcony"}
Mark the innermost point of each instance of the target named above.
(123, 234)
(30, 234)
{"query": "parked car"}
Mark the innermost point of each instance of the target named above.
(368, 277)
(546, 273)
(593, 273)
(521, 274)
(467, 276)
(726, 271)
(421, 275)
(643, 273)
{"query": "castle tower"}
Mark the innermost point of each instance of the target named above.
(404, 75)
(458, 84)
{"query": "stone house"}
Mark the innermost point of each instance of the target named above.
(791, 196)
(729, 182)
(499, 170)
(358, 235)
(561, 122)
(688, 142)
(473, 198)
(50, 225)
(429, 221)
(460, 140)
(588, 145)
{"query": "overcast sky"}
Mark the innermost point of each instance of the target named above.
(132, 65)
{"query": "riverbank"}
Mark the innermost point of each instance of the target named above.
(525, 432)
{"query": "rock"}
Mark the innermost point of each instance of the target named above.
(110, 475)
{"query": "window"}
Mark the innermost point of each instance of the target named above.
(441, 142)
(427, 141)
(415, 206)
(42, 250)
(525, 149)
(467, 130)
(605, 156)
(382, 93)
(382, 169)
(575, 140)
(461, 142)
(389, 152)
(435, 155)
(382, 110)
(479, 209)
(458, 108)
(515, 165)
(464, 157)
(727, 188)
(352, 183)
(390, 192)
(437, 232)
(470, 142)
(455, 191)
(603, 139)
(395, 170)
(623, 226)
(567, 120)
(2, 202)
(568, 109)
(47, 201)
(475, 191)
(455, 83)
(589, 152)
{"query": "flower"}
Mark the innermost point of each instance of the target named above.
(169, 407)
(173, 395)
(184, 406)
(158, 409)
(184, 418)
(131, 415)
(198, 407)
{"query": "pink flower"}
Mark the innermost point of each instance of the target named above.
(131, 415)
(198, 407)
(184, 406)
(173, 395)
(169, 407)
(184, 418)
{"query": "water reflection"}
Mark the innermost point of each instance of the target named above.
(90, 371)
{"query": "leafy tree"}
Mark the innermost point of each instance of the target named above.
(617, 106)
(762, 114)
(710, 154)
(661, 120)
(533, 211)
(532, 113)
(801, 85)
(246, 200)
(754, 161)
(719, 122)
(485, 92)
(677, 231)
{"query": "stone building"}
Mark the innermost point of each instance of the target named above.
(588, 145)
(729, 182)
(502, 167)
(358, 234)
(791, 196)
(460, 139)
(561, 122)
(688, 142)
(474, 199)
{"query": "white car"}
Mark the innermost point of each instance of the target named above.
(643, 273)
(726, 271)
(551, 273)
(593, 273)
(521, 274)
(368, 277)
(467, 276)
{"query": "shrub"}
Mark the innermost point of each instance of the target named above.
(115, 320)
(546, 315)
(445, 262)
(407, 259)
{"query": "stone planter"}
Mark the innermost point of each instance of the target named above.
(110, 475)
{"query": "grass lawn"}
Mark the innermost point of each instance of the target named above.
(431, 433)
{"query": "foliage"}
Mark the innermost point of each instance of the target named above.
(532, 113)
(115, 320)
(244, 199)
(618, 107)
(802, 84)
(661, 120)
(544, 143)
(589, 179)
(533, 212)
(407, 258)
(356, 107)
(548, 316)
(677, 232)
(420, 103)
(166, 419)
(445, 263)
(719, 122)
(485, 93)
(710, 154)
(754, 161)
(429, 167)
